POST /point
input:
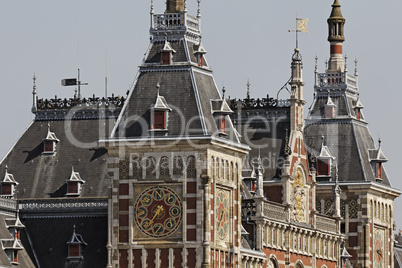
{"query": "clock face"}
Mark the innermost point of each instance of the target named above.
(158, 212)
(222, 214)
(379, 248)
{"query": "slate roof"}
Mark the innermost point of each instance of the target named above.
(187, 89)
(44, 176)
(24, 260)
(349, 143)
(265, 136)
(49, 238)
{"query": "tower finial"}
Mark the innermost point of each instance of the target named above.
(158, 86)
(379, 143)
(34, 100)
(248, 88)
(326, 64)
(152, 7)
(336, 37)
(322, 141)
(346, 63)
(223, 91)
(356, 62)
(316, 64)
(199, 9)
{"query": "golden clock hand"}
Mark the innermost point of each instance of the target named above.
(220, 220)
(159, 210)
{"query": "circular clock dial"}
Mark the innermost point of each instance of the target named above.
(158, 211)
(222, 214)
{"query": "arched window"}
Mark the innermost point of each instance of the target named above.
(299, 264)
(178, 165)
(150, 166)
(164, 167)
(191, 167)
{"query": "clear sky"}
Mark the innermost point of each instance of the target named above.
(244, 40)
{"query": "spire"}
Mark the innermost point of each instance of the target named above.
(175, 6)
(35, 99)
(336, 37)
(199, 9)
(152, 7)
(223, 93)
(356, 72)
(248, 88)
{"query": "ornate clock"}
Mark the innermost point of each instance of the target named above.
(222, 214)
(158, 212)
(379, 257)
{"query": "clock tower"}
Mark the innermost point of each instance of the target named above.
(175, 159)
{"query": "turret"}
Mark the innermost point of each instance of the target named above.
(336, 37)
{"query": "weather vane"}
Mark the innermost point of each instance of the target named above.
(301, 27)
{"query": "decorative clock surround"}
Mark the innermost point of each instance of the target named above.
(222, 214)
(158, 212)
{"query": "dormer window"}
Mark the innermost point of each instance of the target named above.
(358, 110)
(377, 158)
(324, 161)
(159, 114)
(199, 53)
(167, 53)
(49, 142)
(74, 184)
(221, 110)
(8, 185)
(329, 108)
(75, 247)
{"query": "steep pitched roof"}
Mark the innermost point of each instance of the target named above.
(44, 176)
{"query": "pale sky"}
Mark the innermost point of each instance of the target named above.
(244, 40)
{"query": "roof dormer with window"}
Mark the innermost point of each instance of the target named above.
(324, 162)
(49, 142)
(167, 53)
(377, 158)
(221, 111)
(159, 112)
(200, 54)
(358, 110)
(75, 247)
(8, 185)
(329, 108)
(74, 184)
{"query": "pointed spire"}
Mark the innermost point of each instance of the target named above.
(379, 143)
(152, 7)
(199, 9)
(34, 96)
(346, 63)
(316, 64)
(336, 12)
(223, 93)
(248, 88)
(356, 62)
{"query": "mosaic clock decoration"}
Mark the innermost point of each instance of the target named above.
(158, 212)
(379, 257)
(222, 214)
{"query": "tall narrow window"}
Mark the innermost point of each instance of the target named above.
(200, 60)
(358, 113)
(223, 123)
(15, 256)
(379, 170)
